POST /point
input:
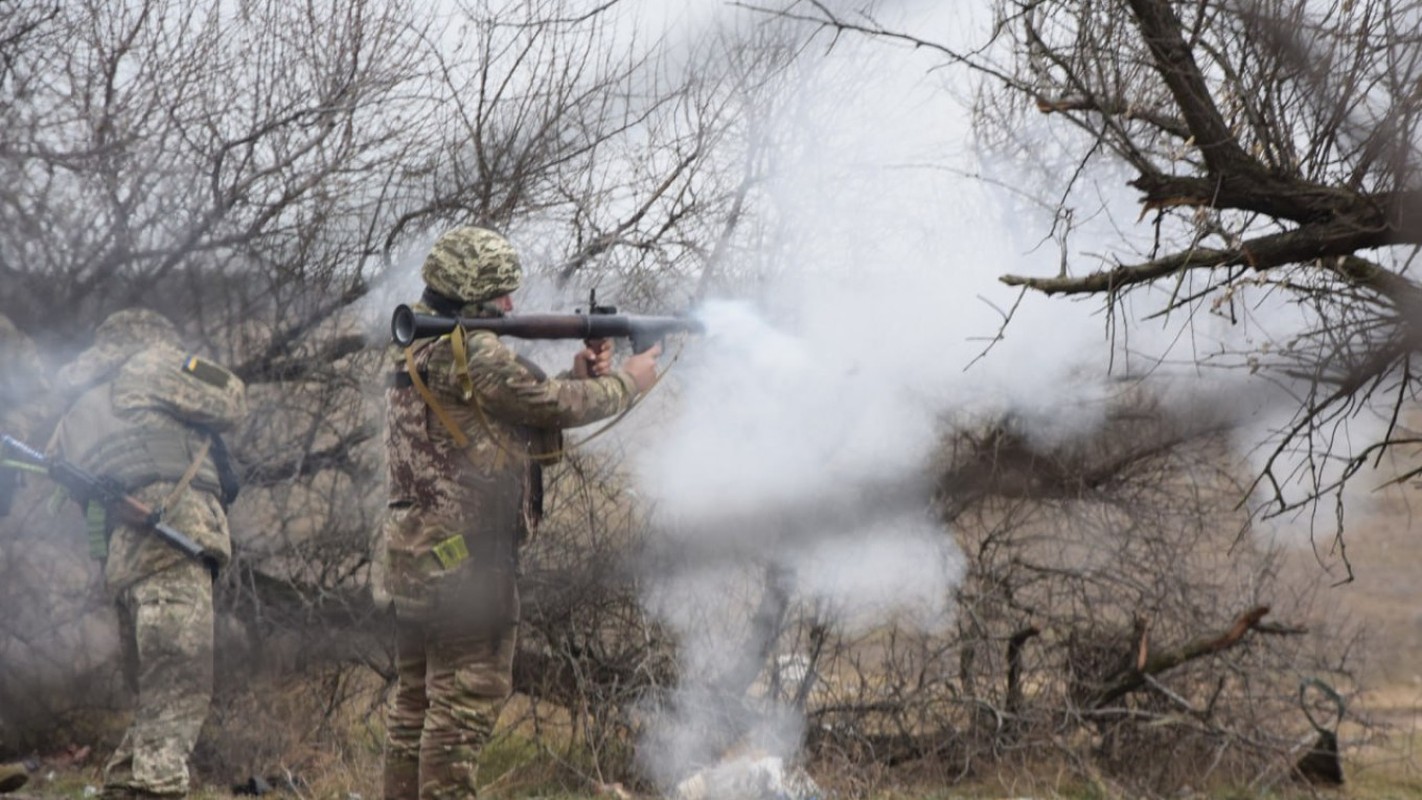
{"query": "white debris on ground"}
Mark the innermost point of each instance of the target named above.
(764, 778)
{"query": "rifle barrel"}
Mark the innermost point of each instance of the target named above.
(30, 454)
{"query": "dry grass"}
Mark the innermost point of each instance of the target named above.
(516, 766)
(323, 725)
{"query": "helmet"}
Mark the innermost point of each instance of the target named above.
(134, 327)
(117, 339)
(472, 265)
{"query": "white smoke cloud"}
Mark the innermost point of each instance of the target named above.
(803, 423)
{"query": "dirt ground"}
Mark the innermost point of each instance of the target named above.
(1383, 544)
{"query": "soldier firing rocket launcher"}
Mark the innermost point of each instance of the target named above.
(601, 322)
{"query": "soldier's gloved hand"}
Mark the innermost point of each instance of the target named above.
(594, 360)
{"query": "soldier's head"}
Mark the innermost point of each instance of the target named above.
(134, 328)
(472, 266)
(118, 338)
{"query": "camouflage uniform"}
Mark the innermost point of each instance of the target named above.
(458, 514)
(143, 412)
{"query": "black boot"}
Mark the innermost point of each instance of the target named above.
(12, 777)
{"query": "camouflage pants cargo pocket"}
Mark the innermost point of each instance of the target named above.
(454, 676)
(435, 573)
(169, 619)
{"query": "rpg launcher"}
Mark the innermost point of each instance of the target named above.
(601, 322)
(86, 487)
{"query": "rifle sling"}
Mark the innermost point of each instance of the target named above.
(188, 476)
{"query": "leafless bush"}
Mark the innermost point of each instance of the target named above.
(1130, 628)
(588, 651)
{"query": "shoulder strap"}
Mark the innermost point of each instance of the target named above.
(188, 476)
(419, 384)
(460, 351)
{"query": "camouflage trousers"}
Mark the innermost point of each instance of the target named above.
(453, 678)
(166, 629)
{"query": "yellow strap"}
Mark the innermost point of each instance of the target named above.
(466, 390)
(504, 452)
(461, 363)
(429, 398)
(460, 350)
(466, 383)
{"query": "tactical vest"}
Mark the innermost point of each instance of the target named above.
(133, 446)
(492, 489)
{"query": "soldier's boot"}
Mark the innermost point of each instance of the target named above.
(12, 777)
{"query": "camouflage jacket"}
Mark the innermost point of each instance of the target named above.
(141, 419)
(462, 510)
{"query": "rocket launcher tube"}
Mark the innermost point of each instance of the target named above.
(406, 326)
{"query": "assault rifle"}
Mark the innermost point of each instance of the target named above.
(601, 322)
(86, 487)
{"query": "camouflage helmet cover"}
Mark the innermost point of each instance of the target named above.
(472, 265)
(117, 339)
(135, 327)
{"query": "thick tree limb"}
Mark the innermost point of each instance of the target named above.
(1131, 679)
(1276, 196)
(1234, 178)
(1260, 253)
(1165, 37)
(305, 464)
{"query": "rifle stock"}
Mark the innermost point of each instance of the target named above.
(85, 486)
(407, 326)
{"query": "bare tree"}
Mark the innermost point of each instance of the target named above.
(1273, 146)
